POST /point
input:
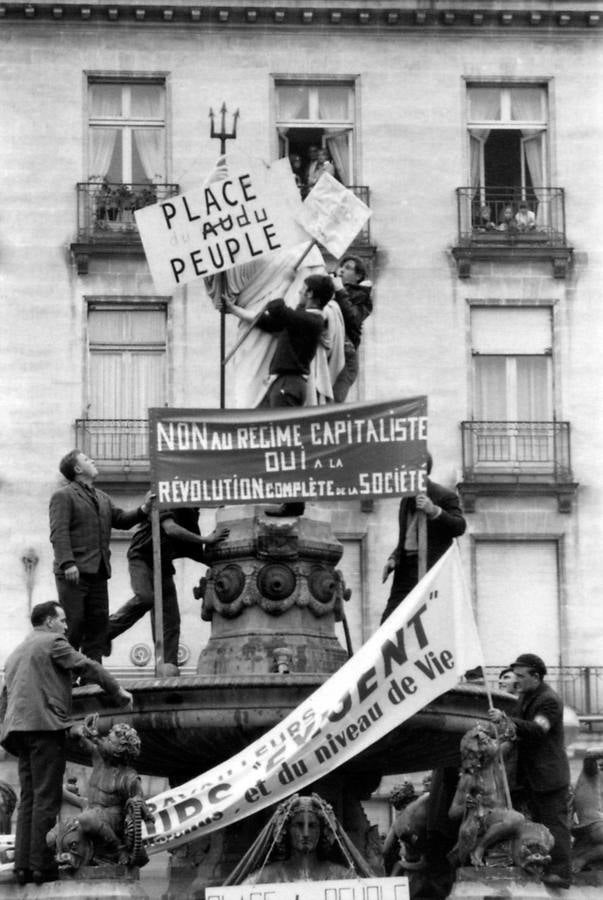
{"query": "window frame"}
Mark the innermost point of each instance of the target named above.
(126, 124)
(350, 125)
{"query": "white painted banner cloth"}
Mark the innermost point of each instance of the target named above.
(420, 652)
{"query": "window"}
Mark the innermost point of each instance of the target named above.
(126, 132)
(507, 129)
(127, 348)
(512, 576)
(317, 115)
(512, 363)
(513, 386)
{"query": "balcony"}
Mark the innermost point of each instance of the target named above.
(105, 215)
(516, 458)
(484, 235)
(119, 446)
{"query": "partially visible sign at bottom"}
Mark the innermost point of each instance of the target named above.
(352, 889)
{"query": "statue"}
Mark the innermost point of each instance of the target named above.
(8, 801)
(303, 841)
(405, 841)
(480, 800)
(588, 832)
(108, 829)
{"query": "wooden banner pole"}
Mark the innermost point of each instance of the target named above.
(422, 544)
(157, 590)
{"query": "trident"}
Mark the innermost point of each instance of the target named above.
(223, 136)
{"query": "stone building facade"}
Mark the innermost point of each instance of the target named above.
(431, 112)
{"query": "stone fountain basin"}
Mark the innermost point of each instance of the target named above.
(187, 725)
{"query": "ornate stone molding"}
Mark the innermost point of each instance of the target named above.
(264, 14)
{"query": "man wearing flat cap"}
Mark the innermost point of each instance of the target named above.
(542, 766)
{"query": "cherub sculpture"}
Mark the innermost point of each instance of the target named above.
(588, 832)
(108, 829)
(405, 842)
(480, 799)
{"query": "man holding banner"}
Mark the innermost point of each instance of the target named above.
(299, 332)
(445, 521)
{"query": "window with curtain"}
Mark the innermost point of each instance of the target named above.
(316, 115)
(127, 132)
(510, 577)
(127, 368)
(507, 132)
(513, 385)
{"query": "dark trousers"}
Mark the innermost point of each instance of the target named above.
(143, 601)
(86, 606)
(348, 374)
(41, 769)
(285, 390)
(406, 577)
(551, 808)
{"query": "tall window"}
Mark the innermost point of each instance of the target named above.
(512, 576)
(507, 129)
(127, 141)
(513, 384)
(317, 114)
(127, 348)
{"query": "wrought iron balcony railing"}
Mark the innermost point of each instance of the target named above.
(511, 215)
(511, 224)
(105, 210)
(120, 442)
(533, 451)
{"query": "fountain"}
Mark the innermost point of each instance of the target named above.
(273, 595)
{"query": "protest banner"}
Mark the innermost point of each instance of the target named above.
(226, 222)
(333, 214)
(336, 452)
(420, 651)
(392, 888)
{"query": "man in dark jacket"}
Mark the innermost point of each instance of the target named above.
(542, 766)
(35, 708)
(180, 537)
(353, 294)
(81, 519)
(445, 521)
(299, 331)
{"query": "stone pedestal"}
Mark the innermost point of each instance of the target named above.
(496, 883)
(273, 595)
(97, 884)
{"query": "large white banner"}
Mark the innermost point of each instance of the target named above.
(420, 652)
(250, 213)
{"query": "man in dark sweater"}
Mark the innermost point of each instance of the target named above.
(299, 332)
(353, 295)
(180, 537)
(542, 766)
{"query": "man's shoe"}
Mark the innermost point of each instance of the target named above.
(556, 881)
(40, 876)
(22, 876)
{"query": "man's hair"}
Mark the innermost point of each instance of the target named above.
(359, 266)
(42, 611)
(321, 287)
(68, 463)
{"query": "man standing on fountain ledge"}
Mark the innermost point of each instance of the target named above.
(180, 537)
(35, 709)
(445, 521)
(542, 766)
(299, 332)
